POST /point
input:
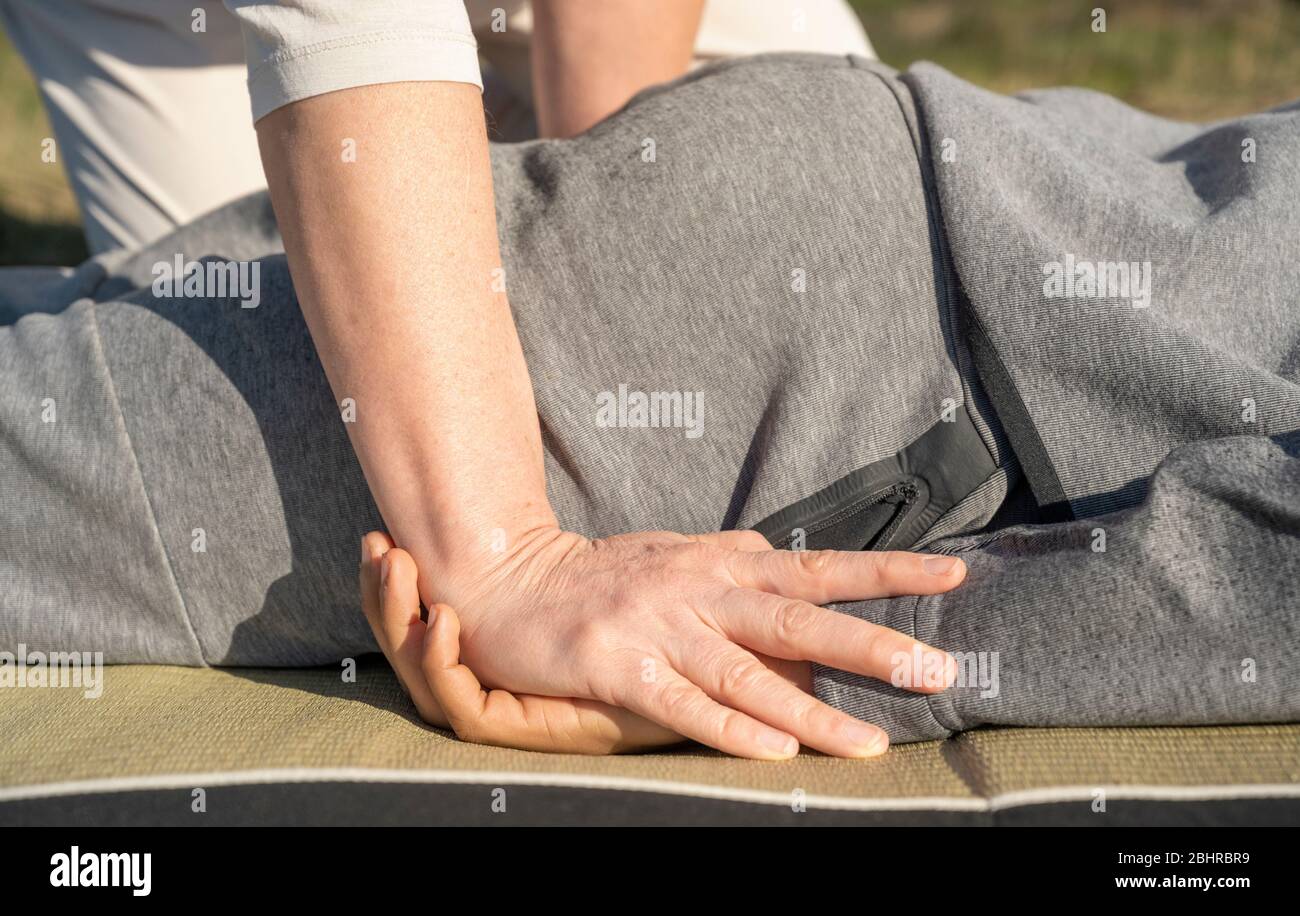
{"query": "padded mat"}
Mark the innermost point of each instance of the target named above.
(304, 746)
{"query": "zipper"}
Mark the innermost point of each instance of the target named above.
(909, 493)
(905, 491)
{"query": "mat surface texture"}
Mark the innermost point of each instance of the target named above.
(303, 746)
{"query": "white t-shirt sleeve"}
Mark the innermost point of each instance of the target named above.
(300, 48)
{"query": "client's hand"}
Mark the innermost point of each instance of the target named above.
(447, 694)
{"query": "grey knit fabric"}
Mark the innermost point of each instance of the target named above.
(1111, 388)
(1179, 417)
(756, 237)
(792, 239)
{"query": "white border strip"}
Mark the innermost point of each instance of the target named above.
(630, 784)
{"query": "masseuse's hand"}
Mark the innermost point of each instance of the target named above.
(426, 660)
(672, 628)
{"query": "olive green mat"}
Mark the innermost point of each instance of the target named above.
(164, 726)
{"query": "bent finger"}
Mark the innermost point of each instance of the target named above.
(373, 547)
(400, 631)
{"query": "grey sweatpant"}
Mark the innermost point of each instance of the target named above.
(759, 244)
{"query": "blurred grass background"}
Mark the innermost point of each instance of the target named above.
(1195, 60)
(39, 223)
(1191, 59)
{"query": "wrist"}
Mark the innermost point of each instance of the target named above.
(461, 559)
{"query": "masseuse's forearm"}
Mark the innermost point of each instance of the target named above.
(393, 253)
(588, 58)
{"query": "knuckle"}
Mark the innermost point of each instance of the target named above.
(466, 728)
(433, 674)
(732, 728)
(583, 633)
(423, 709)
(436, 718)
(794, 622)
(889, 564)
(814, 563)
(588, 642)
(869, 641)
(807, 716)
(739, 676)
(753, 540)
(677, 701)
(696, 555)
(556, 733)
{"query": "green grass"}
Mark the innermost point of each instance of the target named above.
(39, 223)
(1192, 59)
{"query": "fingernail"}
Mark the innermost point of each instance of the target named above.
(383, 571)
(939, 566)
(785, 745)
(866, 737)
(365, 551)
